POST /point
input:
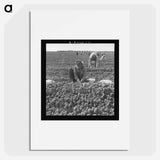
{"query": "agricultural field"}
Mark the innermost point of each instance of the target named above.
(64, 98)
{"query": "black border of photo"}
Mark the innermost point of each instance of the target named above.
(43, 79)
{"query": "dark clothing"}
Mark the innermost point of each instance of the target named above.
(78, 73)
(71, 75)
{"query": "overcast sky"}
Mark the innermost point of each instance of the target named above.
(80, 47)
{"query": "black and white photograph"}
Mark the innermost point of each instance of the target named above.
(80, 79)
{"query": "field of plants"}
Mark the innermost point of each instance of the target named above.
(64, 98)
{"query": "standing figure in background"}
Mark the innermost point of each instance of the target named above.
(93, 60)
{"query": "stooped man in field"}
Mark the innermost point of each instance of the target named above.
(77, 74)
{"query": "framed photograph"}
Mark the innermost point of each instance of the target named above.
(80, 79)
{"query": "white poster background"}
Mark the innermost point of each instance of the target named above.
(79, 135)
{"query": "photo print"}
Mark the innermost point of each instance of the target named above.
(79, 79)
